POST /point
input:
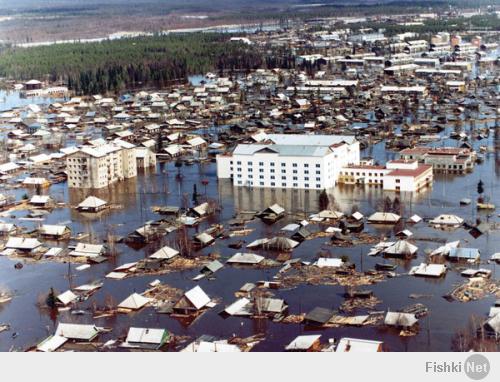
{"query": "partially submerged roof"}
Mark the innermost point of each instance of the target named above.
(429, 270)
(147, 336)
(134, 301)
(245, 258)
(303, 342)
(92, 202)
(384, 217)
(400, 319)
(358, 345)
(77, 331)
(197, 297)
(165, 252)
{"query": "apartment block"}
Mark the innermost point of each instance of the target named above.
(289, 161)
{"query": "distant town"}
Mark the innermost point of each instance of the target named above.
(326, 184)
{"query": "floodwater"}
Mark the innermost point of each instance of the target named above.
(160, 187)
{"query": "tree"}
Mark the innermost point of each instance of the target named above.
(324, 200)
(178, 165)
(51, 299)
(195, 194)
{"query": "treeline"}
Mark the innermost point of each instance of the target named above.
(117, 65)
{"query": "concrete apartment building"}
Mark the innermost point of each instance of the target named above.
(289, 161)
(99, 165)
(443, 159)
(396, 175)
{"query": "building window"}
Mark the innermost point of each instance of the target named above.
(294, 171)
(239, 175)
(261, 170)
(283, 177)
(306, 171)
(261, 176)
(398, 181)
(239, 162)
(318, 165)
(272, 164)
(250, 176)
(318, 186)
(272, 176)
(295, 178)
(249, 163)
(283, 164)
(261, 163)
(294, 164)
(306, 165)
(318, 172)
(306, 185)
(283, 184)
(306, 178)
(261, 183)
(272, 170)
(318, 179)
(295, 185)
(250, 169)
(273, 184)
(238, 169)
(283, 171)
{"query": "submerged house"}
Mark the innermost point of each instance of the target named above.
(23, 245)
(401, 248)
(146, 338)
(134, 302)
(305, 343)
(272, 214)
(384, 218)
(468, 254)
(92, 204)
(192, 302)
(55, 232)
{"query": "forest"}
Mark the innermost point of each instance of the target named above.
(122, 64)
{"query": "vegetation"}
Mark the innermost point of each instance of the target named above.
(118, 65)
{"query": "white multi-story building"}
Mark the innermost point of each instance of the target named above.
(99, 165)
(289, 161)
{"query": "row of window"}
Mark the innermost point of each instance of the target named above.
(306, 178)
(272, 164)
(272, 171)
(284, 185)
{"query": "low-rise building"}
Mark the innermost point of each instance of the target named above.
(442, 159)
(397, 175)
